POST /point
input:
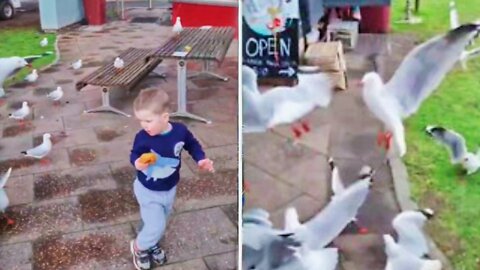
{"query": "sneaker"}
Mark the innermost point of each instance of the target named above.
(158, 255)
(141, 259)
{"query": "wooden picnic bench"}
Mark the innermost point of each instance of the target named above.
(137, 65)
(208, 44)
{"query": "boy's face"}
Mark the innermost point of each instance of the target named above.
(152, 123)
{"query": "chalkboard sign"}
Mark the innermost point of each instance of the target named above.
(270, 37)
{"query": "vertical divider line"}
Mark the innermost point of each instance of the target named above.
(240, 136)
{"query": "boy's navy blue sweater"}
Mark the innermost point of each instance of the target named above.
(164, 174)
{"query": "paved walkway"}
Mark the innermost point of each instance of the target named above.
(282, 175)
(79, 212)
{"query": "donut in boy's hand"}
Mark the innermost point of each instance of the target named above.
(148, 158)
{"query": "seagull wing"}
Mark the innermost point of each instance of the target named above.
(424, 68)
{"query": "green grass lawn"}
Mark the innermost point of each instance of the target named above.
(25, 42)
(456, 104)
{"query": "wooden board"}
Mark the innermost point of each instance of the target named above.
(136, 66)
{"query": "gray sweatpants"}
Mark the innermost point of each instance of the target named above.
(155, 208)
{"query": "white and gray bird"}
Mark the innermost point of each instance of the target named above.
(7, 67)
(336, 181)
(21, 113)
(77, 64)
(454, 23)
(44, 42)
(282, 105)
(32, 77)
(177, 27)
(455, 143)
(420, 73)
(263, 246)
(4, 202)
(326, 225)
(305, 257)
(41, 150)
(118, 63)
(56, 94)
(400, 259)
(409, 228)
(269, 248)
(338, 187)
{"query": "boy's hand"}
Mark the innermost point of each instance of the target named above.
(139, 165)
(206, 165)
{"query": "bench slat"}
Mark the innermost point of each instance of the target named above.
(135, 68)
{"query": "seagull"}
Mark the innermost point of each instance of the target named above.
(455, 143)
(263, 246)
(400, 259)
(40, 151)
(77, 64)
(118, 63)
(282, 105)
(44, 42)
(304, 257)
(21, 113)
(326, 225)
(420, 73)
(56, 94)
(177, 27)
(408, 225)
(4, 202)
(32, 77)
(8, 66)
(338, 187)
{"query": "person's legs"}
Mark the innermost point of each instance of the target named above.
(154, 207)
(153, 210)
(158, 254)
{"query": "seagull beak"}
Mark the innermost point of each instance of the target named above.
(29, 65)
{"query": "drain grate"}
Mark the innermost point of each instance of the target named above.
(144, 20)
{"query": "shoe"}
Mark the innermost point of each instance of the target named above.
(141, 259)
(158, 255)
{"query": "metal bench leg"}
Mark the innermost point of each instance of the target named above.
(154, 73)
(182, 95)
(208, 73)
(106, 105)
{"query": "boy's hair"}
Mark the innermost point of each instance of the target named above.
(152, 99)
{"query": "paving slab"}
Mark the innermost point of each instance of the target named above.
(70, 182)
(16, 256)
(226, 261)
(198, 234)
(34, 221)
(207, 190)
(274, 193)
(105, 248)
(19, 189)
(192, 264)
